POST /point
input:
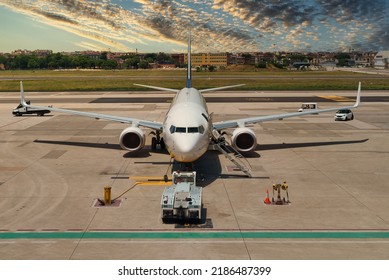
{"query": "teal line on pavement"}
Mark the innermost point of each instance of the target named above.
(199, 235)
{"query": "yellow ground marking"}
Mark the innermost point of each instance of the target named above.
(155, 183)
(147, 178)
(11, 168)
(336, 98)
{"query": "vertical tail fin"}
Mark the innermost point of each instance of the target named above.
(22, 100)
(189, 70)
(358, 100)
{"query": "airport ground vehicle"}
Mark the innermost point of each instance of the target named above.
(182, 200)
(344, 115)
(21, 110)
(308, 106)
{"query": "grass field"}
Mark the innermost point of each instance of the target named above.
(124, 80)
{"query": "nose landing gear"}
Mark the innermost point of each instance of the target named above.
(157, 142)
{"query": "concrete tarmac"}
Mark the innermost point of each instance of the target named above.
(54, 168)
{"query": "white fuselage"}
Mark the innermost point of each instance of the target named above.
(187, 126)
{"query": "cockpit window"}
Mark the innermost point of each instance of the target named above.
(181, 129)
(193, 130)
(197, 129)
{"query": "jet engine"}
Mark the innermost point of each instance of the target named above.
(243, 139)
(132, 139)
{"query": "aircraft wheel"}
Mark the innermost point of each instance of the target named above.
(153, 143)
(162, 143)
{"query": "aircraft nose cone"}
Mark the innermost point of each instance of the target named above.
(185, 147)
(186, 151)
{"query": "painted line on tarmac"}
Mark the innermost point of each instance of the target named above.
(198, 235)
(336, 98)
(228, 241)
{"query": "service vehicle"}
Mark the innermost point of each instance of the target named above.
(344, 115)
(182, 200)
(21, 110)
(308, 106)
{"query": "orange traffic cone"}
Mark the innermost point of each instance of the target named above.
(267, 200)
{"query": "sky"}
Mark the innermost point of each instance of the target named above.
(215, 25)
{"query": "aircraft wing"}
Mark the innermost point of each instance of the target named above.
(133, 121)
(253, 120)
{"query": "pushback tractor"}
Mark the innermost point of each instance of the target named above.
(181, 201)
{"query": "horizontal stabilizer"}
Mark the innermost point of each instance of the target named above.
(157, 88)
(220, 88)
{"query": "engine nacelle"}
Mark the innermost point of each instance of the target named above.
(132, 139)
(243, 139)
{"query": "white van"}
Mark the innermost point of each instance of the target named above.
(308, 106)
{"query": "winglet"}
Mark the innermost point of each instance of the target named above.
(358, 101)
(22, 100)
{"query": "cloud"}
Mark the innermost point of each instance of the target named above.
(94, 21)
(267, 14)
(225, 25)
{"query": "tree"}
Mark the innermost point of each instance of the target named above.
(109, 64)
(66, 62)
(132, 62)
(343, 59)
(3, 62)
(211, 68)
(103, 55)
(261, 65)
(163, 58)
(150, 57)
(20, 62)
(33, 63)
(143, 64)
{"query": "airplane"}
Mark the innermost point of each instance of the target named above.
(187, 130)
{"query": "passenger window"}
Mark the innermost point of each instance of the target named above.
(193, 130)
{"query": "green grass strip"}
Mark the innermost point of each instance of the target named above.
(199, 235)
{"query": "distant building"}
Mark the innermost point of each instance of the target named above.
(179, 59)
(42, 53)
(381, 60)
(363, 59)
(301, 65)
(90, 54)
(203, 59)
(21, 52)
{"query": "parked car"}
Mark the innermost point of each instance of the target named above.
(344, 115)
(21, 110)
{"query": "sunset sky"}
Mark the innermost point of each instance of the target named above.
(216, 25)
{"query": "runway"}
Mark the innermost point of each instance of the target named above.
(323, 97)
(53, 168)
